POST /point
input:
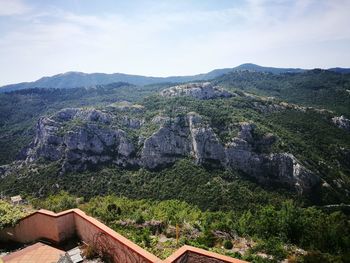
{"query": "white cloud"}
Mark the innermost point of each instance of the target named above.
(278, 33)
(12, 7)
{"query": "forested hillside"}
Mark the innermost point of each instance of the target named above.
(244, 155)
(317, 88)
(20, 110)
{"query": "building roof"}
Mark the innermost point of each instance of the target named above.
(37, 253)
(16, 198)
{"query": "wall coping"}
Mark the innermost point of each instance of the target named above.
(113, 234)
(131, 245)
(189, 249)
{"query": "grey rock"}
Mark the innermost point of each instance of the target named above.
(126, 106)
(203, 91)
(206, 146)
(286, 169)
(132, 123)
(160, 120)
(5, 170)
(342, 122)
(182, 137)
(47, 142)
(94, 141)
(280, 168)
(88, 115)
(246, 131)
(170, 143)
(89, 143)
(66, 114)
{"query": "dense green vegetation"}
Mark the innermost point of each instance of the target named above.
(318, 88)
(20, 110)
(56, 203)
(10, 214)
(321, 146)
(208, 189)
(272, 227)
(308, 134)
(204, 201)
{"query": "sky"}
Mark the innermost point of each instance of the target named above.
(169, 37)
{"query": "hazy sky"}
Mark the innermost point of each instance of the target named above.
(161, 38)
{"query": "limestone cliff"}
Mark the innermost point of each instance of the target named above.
(342, 122)
(80, 138)
(203, 91)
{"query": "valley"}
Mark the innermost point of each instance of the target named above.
(229, 155)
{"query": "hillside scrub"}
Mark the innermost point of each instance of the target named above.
(273, 227)
(10, 214)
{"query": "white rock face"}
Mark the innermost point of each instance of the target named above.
(342, 122)
(96, 142)
(170, 143)
(206, 147)
(83, 115)
(80, 145)
(202, 91)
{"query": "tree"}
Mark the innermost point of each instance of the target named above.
(10, 214)
(57, 203)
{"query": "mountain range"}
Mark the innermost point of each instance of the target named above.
(261, 151)
(79, 79)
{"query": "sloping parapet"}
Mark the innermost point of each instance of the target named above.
(42, 224)
(189, 254)
(58, 227)
(108, 241)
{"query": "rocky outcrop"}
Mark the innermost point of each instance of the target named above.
(206, 147)
(202, 91)
(170, 143)
(86, 115)
(182, 137)
(78, 145)
(279, 168)
(5, 170)
(190, 136)
(80, 138)
(126, 106)
(132, 123)
(288, 170)
(342, 122)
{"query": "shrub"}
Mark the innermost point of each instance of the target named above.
(273, 247)
(10, 214)
(90, 252)
(139, 219)
(57, 203)
(228, 244)
(316, 256)
(207, 239)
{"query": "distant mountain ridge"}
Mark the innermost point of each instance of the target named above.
(257, 68)
(340, 70)
(79, 79)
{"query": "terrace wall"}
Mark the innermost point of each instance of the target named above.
(108, 241)
(59, 227)
(41, 225)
